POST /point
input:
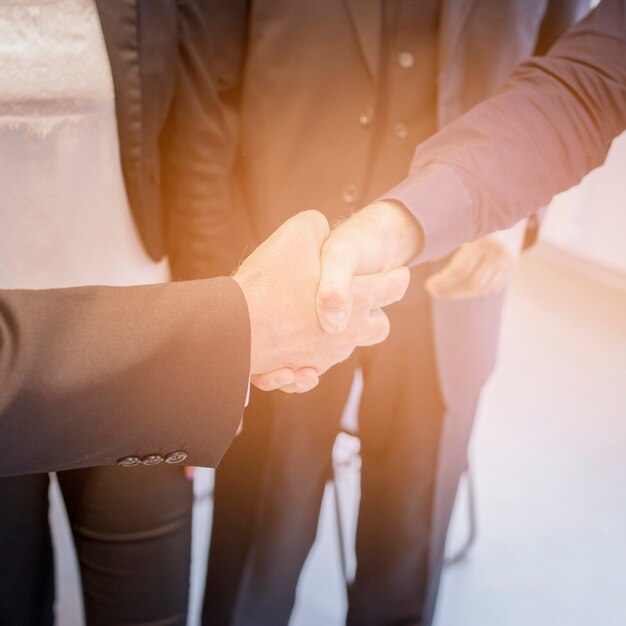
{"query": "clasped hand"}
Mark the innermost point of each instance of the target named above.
(347, 276)
(281, 279)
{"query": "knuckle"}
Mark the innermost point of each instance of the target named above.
(336, 246)
(317, 222)
(333, 298)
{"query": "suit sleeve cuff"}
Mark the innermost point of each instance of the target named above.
(442, 205)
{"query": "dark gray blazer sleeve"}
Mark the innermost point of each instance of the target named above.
(90, 375)
(548, 126)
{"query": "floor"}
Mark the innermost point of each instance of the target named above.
(549, 459)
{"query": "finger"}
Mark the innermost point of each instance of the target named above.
(495, 276)
(501, 278)
(307, 223)
(477, 284)
(189, 471)
(383, 289)
(334, 295)
(377, 329)
(273, 380)
(306, 379)
(458, 270)
(318, 223)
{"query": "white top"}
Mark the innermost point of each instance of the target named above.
(64, 215)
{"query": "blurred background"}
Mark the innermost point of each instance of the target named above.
(548, 456)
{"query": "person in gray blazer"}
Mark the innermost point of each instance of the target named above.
(334, 98)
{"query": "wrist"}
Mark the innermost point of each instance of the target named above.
(401, 232)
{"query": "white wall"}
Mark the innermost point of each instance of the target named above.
(589, 221)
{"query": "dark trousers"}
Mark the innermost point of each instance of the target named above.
(269, 487)
(132, 531)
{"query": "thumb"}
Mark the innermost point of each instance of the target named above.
(334, 295)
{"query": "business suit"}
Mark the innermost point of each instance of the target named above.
(311, 87)
(130, 524)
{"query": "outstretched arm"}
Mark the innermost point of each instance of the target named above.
(129, 375)
(548, 126)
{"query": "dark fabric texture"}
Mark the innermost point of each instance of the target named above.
(92, 374)
(26, 566)
(132, 532)
(176, 126)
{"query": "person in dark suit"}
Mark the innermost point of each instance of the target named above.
(334, 99)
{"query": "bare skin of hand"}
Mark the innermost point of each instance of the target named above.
(382, 236)
(479, 268)
(279, 279)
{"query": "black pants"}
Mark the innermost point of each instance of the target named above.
(132, 531)
(270, 485)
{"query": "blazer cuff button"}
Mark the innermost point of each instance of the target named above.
(176, 457)
(152, 459)
(129, 461)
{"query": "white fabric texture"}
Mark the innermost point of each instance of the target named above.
(64, 214)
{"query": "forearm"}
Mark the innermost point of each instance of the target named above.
(94, 374)
(547, 127)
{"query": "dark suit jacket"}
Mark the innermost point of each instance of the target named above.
(176, 129)
(92, 374)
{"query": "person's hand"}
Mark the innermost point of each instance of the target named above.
(380, 237)
(279, 280)
(479, 268)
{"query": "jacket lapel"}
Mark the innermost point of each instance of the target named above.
(366, 17)
(454, 15)
(120, 26)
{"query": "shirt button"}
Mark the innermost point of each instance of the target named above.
(349, 194)
(367, 117)
(129, 461)
(152, 459)
(400, 130)
(406, 60)
(176, 457)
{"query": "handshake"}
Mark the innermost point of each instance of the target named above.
(314, 295)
